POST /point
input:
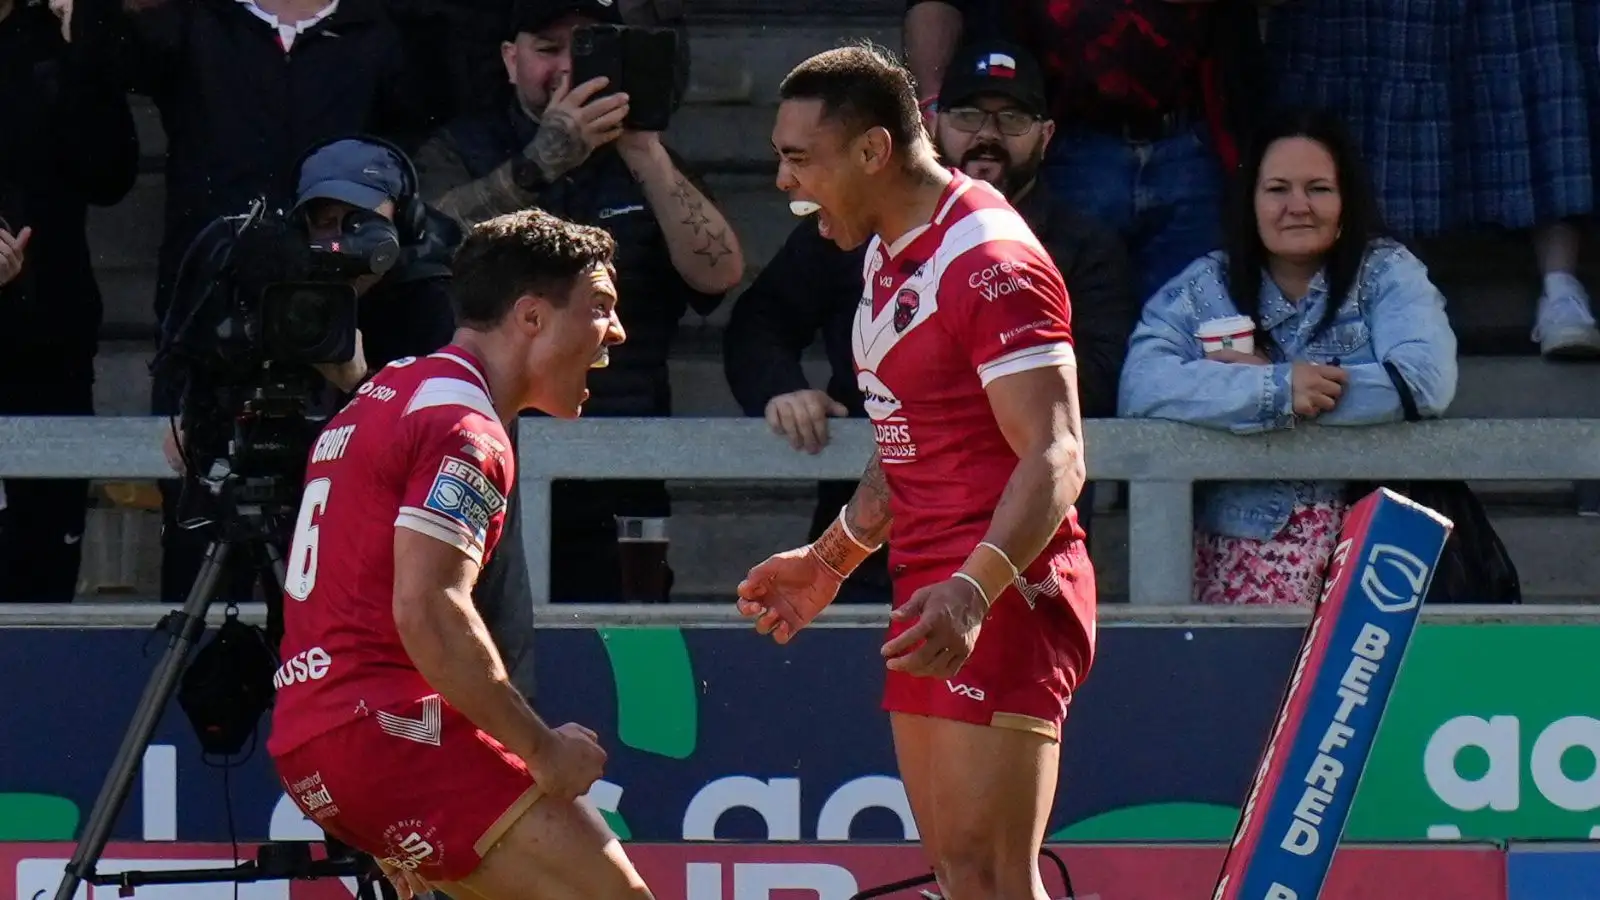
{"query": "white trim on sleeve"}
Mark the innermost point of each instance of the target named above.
(424, 522)
(1026, 359)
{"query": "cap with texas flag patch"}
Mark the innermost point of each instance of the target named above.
(994, 67)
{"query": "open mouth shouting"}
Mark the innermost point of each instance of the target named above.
(803, 208)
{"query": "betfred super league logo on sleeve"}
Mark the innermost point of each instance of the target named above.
(1296, 810)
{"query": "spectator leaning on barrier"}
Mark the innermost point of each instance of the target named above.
(66, 142)
(1299, 322)
(560, 148)
(995, 127)
(1146, 94)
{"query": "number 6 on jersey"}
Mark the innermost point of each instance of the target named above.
(301, 571)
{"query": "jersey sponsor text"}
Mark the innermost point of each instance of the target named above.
(307, 665)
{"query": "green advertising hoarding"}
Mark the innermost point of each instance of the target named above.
(1493, 732)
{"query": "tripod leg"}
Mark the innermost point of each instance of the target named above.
(97, 829)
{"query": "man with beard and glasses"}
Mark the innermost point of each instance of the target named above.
(993, 127)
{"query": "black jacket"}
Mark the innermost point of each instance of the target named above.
(66, 142)
(238, 111)
(812, 286)
(601, 192)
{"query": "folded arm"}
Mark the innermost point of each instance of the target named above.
(1165, 377)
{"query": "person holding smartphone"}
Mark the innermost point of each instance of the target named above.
(567, 148)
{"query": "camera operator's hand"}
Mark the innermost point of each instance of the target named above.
(346, 376)
(569, 762)
(572, 126)
(12, 248)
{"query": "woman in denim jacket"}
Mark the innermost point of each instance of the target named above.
(1332, 301)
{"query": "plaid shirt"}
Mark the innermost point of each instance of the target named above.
(1107, 59)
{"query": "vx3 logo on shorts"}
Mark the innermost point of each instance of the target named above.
(967, 691)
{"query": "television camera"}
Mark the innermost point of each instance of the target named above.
(258, 302)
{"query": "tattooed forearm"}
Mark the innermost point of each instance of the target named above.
(691, 204)
(865, 525)
(559, 146)
(448, 186)
(710, 238)
(704, 249)
(492, 195)
(868, 513)
(716, 247)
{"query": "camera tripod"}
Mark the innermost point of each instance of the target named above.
(245, 530)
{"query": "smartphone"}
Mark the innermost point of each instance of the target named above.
(640, 62)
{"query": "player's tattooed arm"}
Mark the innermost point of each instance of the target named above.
(868, 513)
(862, 526)
(1037, 411)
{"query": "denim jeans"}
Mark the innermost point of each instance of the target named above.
(1164, 198)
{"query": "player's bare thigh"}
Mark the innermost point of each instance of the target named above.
(556, 851)
(982, 797)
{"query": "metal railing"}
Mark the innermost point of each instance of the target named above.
(1161, 461)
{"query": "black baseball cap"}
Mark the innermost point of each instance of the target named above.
(994, 67)
(536, 15)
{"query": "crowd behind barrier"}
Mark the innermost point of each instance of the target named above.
(1160, 461)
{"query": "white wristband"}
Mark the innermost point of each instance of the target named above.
(1002, 554)
(974, 582)
(845, 526)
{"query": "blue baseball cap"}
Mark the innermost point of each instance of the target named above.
(354, 171)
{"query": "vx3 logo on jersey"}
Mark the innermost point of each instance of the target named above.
(967, 691)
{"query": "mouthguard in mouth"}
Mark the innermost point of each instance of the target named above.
(602, 359)
(803, 208)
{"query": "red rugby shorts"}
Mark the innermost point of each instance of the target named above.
(1031, 655)
(419, 787)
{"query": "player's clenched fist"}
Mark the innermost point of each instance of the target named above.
(788, 590)
(947, 618)
(569, 763)
(407, 884)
